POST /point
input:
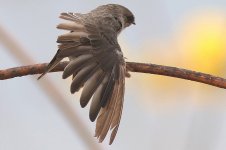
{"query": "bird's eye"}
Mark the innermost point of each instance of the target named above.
(130, 19)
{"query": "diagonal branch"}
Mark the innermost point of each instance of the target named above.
(131, 66)
(55, 96)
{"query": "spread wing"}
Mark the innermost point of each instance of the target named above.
(97, 65)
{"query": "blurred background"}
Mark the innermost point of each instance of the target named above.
(160, 113)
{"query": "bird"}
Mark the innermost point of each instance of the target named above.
(96, 62)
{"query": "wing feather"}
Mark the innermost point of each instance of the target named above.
(91, 86)
(75, 65)
(96, 105)
(97, 63)
(110, 115)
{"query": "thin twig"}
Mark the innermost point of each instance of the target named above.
(131, 66)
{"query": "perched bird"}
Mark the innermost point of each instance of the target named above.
(96, 62)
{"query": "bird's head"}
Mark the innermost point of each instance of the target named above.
(123, 14)
(120, 13)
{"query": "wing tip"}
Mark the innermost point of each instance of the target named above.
(41, 76)
(92, 117)
(64, 75)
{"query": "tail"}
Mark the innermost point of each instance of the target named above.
(51, 65)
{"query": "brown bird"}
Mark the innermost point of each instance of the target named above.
(96, 62)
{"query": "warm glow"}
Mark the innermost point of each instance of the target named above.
(200, 45)
(204, 42)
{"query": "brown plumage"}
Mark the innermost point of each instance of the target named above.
(96, 62)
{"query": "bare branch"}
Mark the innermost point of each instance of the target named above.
(177, 73)
(131, 66)
(29, 70)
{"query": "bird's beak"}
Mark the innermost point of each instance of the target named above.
(134, 23)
